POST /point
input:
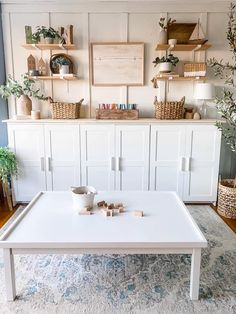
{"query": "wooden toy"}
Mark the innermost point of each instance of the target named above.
(107, 212)
(138, 213)
(100, 204)
(84, 212)
(111, 206)
(121, 209)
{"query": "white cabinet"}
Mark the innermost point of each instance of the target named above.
(115, 156)
(62, 156)
(185, 159)
(27, 142)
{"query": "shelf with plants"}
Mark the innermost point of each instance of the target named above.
(51, 77)
(182, 47)
(40, 46)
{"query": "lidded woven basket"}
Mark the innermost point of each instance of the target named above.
(169, 110)
(227, 198)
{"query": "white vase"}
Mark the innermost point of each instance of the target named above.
(23, 105)
(162, 37)
(64, 69)
(165, 67)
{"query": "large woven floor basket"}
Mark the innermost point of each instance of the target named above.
(62, 110)
(169, 110)
(227, 199)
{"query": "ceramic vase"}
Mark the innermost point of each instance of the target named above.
(64, 69)
(24, 105)
(162, 37)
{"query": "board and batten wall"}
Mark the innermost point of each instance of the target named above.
(111, 22)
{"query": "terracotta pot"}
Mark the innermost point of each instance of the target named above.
(162, 37)
(165, 67)
(24, 105)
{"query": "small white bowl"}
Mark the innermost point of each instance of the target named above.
(172, 41)
(83, 196)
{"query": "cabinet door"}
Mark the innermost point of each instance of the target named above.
(62, 143)
(97, 156)
(167, 158)
(27, 142)
(132, 157)
(202, 163)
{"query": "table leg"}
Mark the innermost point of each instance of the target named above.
(195, 274)
(9, 274)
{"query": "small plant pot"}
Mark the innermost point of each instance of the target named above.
(48, 40)
(165, 67)
(64, 69)
(162, 37)
(24, 105)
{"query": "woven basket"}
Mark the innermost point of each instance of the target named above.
(227, 199)
(169, 110)
(63, 110)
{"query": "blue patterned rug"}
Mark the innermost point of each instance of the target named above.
(128, 284)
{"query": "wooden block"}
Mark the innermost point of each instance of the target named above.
(87, 208)
(100, 204)
(121, 209)
(84, 212)
(107, 212)
(138, 213)
(117, 205)
(111, 206)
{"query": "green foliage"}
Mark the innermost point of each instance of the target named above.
(45, 32)
(62, 61)
(170, 58)
(13, 87)
(164, 25)
(226, 103)
(8, 164)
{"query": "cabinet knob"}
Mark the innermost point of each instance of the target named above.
(42, 164)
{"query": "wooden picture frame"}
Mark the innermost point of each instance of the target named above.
(117, 64)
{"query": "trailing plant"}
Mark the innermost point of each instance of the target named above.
(62, 61)
(45, 32)
(8, 164)
(15, 88)
(168, 23)
(226, 102)
(170, 58)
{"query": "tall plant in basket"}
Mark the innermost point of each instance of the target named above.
(226, 105)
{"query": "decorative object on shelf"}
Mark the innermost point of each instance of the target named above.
(33, 73)
(45, 35)
(8, 169)
(83, 197)
(28, 34)
(188, 113)
(169, 110)
(117, 114)
(197, 36)
(204, 91)
(181, 31)
(63, 64)
(195, 69)
(69, 32)
(31, 63)
(164, 28)
(172, 41)
(227, 198)
(62, 110)
(42, 67)
(35, 114)
(196, 116)
(59, 59)
(22, 91)
(166, 63)
(117, 64)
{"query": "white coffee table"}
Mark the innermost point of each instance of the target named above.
(49, 225)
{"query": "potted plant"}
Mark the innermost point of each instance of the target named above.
(45, 35)
(22, 91)
(8, 168)
(226, 105)
(63, 64)
(164, 27)
(166, 63)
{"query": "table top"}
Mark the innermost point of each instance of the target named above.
(50, 221)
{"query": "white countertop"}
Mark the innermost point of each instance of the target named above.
(93, 121)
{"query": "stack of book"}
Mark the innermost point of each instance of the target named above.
(194, 69)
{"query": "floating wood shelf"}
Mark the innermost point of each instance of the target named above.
(181, 78)
(45, 78)
(49, 46)
(183, 47)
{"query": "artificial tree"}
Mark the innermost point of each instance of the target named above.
(226, 102)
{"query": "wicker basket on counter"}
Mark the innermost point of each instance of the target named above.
(227, 198)
(169, 110)
(63, 110)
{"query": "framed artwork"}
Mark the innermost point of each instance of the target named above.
(117, 64)
(181, 32)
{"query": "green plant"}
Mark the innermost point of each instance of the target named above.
(45, 32)
(62, 61)
(164, 25)
(170, 58)
(226, 102)
(13, 87)
(8, 164)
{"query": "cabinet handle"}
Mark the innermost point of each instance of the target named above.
(42, 164)
(113, 164)
(118, 166)
(188, 164)
(182, 162)
(49, 164)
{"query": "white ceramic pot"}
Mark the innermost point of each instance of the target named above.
(162, 37)
(165, 67)
(64, 69)
(172, 41)
(23, 105)
(83, 196)
(48, 40)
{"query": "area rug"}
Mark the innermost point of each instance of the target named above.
(128, 284)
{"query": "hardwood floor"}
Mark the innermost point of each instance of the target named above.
(230, 222)
(5, 213)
